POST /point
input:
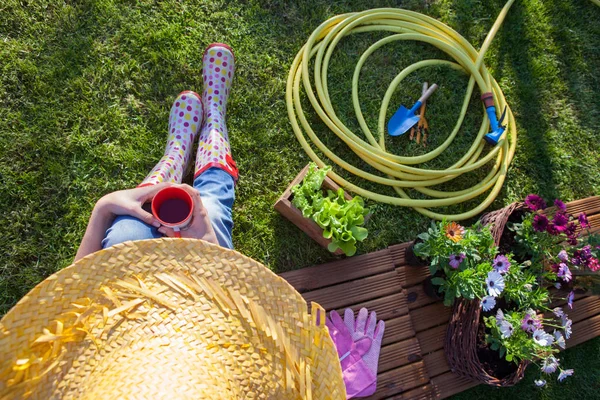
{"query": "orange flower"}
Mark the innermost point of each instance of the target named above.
(454, 232)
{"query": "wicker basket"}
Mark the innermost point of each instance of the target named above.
(461, 336)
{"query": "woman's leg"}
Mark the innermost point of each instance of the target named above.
(126, 228)
(216, 172)
(216, 188)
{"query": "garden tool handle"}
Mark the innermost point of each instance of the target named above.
(428, 93)
(425, 87)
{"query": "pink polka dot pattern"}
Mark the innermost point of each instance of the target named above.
(213, 144)
(185, 120)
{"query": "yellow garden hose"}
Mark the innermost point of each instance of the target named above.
(401, 171)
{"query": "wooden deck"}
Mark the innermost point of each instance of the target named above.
(412, 364)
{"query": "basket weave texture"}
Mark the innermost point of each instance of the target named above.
(461, 337)
(166, 318)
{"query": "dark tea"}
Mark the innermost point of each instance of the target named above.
(173, 211)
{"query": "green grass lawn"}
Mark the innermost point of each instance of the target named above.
(85, 91)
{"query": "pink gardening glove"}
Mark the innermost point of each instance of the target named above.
(359, 377)
(366, 326)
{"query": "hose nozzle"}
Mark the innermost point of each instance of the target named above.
(496, 124)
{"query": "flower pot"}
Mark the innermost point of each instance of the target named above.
(463, 345)
(411, 258)
(430, 289)
(466, 350)
(285, 207)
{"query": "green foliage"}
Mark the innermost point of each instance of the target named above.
(339, 218)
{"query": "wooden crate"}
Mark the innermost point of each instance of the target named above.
(285, 207)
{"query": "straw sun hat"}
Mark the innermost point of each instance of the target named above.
(166, 318)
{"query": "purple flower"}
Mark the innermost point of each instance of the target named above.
(558, 311)
(563, 256)
(551, 229)
(456, 260)
(571, 229)
(501, 264)
(560, 205)
(499, 316)
(564, 272)
(560, 221)
(535, 202)
(583, 220)
(583, 257)
(557, 285)
(540, 222)
(530, 323)
(572, 240)
(570, 299)
(564, 374)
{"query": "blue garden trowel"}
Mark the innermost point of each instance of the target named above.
(404, 119)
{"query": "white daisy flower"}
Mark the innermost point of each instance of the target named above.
(499, 316)
(540, 382)
(563, 374)
(560, 340)
(495, 283)
(506, 329)
(567, 327)
(542, 338)
(549, 365)
(528, 287)
(488, 303)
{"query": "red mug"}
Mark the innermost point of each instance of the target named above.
(173, 207)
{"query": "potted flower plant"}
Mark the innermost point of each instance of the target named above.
(502, 319)
(324, 211)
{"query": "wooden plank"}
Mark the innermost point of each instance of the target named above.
(436, 363)
(448, 384)
(430, 316)
(425, 392)
(340, 271)
(432, 339)
(397, 252)
(417, 298)
(397, 329)
(585, 308)
(585, 330)
(356, 291)
(399, 380)
(386, 307)
(411, 276)
(398, 354)
(590, 205)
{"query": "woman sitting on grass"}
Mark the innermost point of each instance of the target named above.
(120, 216)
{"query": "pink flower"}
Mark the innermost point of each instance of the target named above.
(583, 220)
(501, 264)
(560, 222)
(560, 205)
(594, 264)
(540, 222)
(535, 202)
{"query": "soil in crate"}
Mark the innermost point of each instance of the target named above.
(507, 241)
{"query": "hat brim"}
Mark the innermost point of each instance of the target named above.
(172, 318)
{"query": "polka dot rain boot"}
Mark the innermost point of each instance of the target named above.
(185, 120)
(213, 144)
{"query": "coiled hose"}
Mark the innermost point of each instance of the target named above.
(400, 172)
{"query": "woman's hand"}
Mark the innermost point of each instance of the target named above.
(130, 202)
(123, 202)
(200, 227)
